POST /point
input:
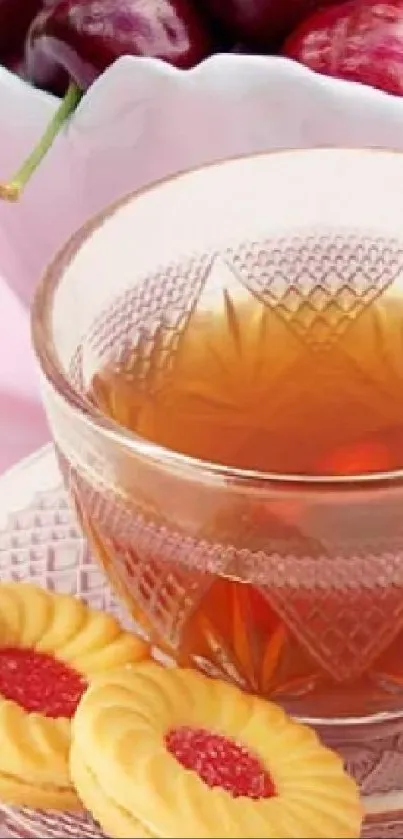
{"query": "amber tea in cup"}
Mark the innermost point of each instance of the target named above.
(223, 373)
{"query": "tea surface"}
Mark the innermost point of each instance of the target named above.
(248, 387)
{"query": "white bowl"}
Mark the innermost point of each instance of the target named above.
(143, 120)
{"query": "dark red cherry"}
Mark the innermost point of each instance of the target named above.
(84, 37)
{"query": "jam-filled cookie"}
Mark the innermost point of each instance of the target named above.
(164, 753)
(51, 647)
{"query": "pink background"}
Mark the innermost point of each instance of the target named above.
(22, 423)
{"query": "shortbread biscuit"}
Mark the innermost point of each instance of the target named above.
(51, 647)
(172, 753)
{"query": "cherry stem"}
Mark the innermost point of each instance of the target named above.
(12, 190)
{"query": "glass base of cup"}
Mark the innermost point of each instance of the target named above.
(385, 825)
(373, 753)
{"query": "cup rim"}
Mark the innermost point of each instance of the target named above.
(84, 411)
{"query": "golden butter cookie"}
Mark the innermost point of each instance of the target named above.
(172, 753)
(51, 647)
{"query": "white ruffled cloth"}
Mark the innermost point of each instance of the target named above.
(141, 121)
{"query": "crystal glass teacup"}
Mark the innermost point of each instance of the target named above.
(222, 366)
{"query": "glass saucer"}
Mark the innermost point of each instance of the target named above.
(40, 541)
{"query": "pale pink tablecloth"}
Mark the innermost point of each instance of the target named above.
(22, 422)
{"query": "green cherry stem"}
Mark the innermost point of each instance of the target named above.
(12, 190)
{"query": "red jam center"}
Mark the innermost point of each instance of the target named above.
(39, 683)
(220, 762)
